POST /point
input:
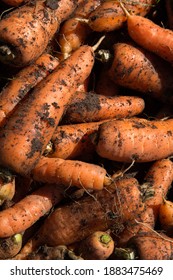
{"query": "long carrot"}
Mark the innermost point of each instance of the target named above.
(26, 212)
(26, 134)
(27, 78)
(26, 31)
(136, 139)
(92, 107)
(150, 35)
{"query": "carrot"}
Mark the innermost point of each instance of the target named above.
(9, 247)
(157, 183)
(166, 216)
(72, 141)
(25, 32)
(70, 173)
(73, 33)
(30, 209)
(14, 3)
(152, 246)
(169, 9)
(97, 246)
(109, 15)
(27, 133)
(137, 69)
(135, 139)
(74, 222)
(150, 36)
(91, 107)
(23, 82)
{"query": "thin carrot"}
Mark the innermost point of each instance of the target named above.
(26, 31)
(97, 246)
(27, 133)
(135, 139)
(27, 78)
(150, 36)
(30, 209)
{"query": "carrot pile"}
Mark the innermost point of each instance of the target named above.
(86, 129)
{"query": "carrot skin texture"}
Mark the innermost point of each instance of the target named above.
(92, 107)
(26, 212)
(26, 134)
(136, 139)
(29, 28)
(109, 15)
(70, 173)
(150, 36)
(137, 69)
(23, 82)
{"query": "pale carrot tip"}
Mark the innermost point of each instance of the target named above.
(84, 20)
(6, 53)
(124, 9)
(95, 47)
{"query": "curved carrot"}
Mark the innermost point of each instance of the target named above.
(150, 35)
(23, 82)
(70, 173)
(27, 133)
(109, 16)
(26, 31)
(135, 68)
(92, 107)
(26, 212)
(135, 139)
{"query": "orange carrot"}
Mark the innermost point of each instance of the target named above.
(23, 82)
(27, 133)
(137, 69)
(26, 31)
(109, 16)
(135, 139)
(70, 173)
(150, 35)
(166, 216)
(14, 3)
(97, 246)
(26, 212)
(91, 107)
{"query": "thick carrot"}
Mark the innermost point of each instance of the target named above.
(137, 69)
(105, 209)
(91, 107)
(26, 31)
(73, 140)
(152, 246)
(150, 36)
(27, 133)
(70, 173)
(23, 82)
(14, 3)
(109, 16)
(97, 246)
(30, 209)
(73, 33)
(157, 183)
(135, 139)
(169, 9)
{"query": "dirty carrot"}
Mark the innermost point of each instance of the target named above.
(27, 133)
(97, 246)
(26, 212)
(92, 107)
(26, 31)
(27, 78)
(135, 139)
(150, 36)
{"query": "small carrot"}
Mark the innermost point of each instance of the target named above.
(150, 36)
(29, 129)
(30, 209)
(166, 216)
(92, 107)
(27, 78)
(135, 68)
(97, 246)
(26, 31)
(135, 139)
(70, 173)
